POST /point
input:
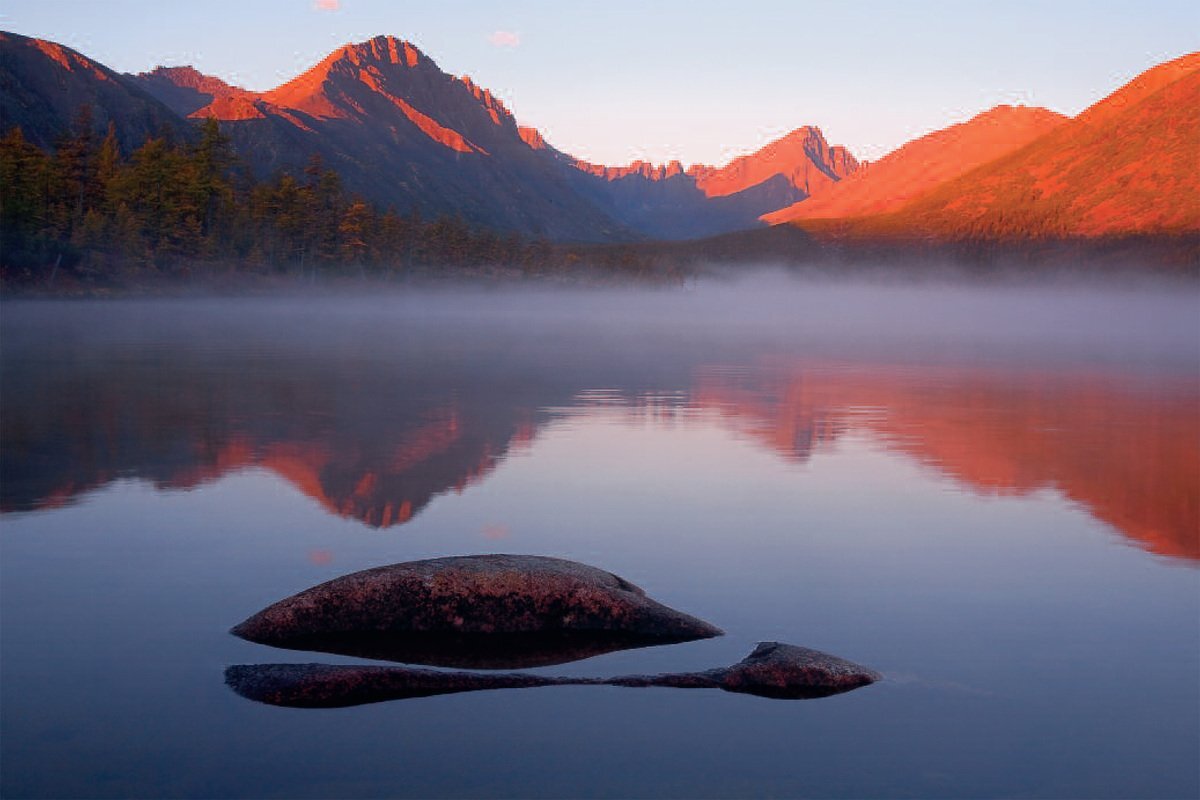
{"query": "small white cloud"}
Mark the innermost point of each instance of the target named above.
(327, 5)
(505, 39)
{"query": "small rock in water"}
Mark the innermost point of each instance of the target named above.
(787, 671)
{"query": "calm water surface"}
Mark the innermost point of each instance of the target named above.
(990, 494)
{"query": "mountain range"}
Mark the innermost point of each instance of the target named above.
(405, 134)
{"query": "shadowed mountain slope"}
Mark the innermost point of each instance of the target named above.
(43, 87)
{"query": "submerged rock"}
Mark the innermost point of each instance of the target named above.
(774, 670)
(491, 611)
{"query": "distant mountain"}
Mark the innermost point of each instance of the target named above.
(669, 202)
(1128, 165)
(44, 85)
(922, 164)
(802, 158)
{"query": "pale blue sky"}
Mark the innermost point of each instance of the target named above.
(701, 82)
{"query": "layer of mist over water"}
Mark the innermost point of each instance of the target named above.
(927, 320)
(986, 492)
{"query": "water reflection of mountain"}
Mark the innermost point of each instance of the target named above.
(365, 441)
(1126, 450)
(376, 439)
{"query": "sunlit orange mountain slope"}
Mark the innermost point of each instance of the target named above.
(921, 164)
(1130, 164)
(802, 157)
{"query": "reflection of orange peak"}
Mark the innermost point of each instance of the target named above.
(432, 438)
(210, 466)
(1131, 457)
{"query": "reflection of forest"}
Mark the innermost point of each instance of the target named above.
(1128, 452)
(378, 442)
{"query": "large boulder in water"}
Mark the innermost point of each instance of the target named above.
(490, 611)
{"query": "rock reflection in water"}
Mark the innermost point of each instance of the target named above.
(774, 670)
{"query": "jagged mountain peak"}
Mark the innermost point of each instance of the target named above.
(378, 50)
(803, 157)
(396, 71)
(643, 169)
(314, 91)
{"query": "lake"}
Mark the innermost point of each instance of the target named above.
(988, 493)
